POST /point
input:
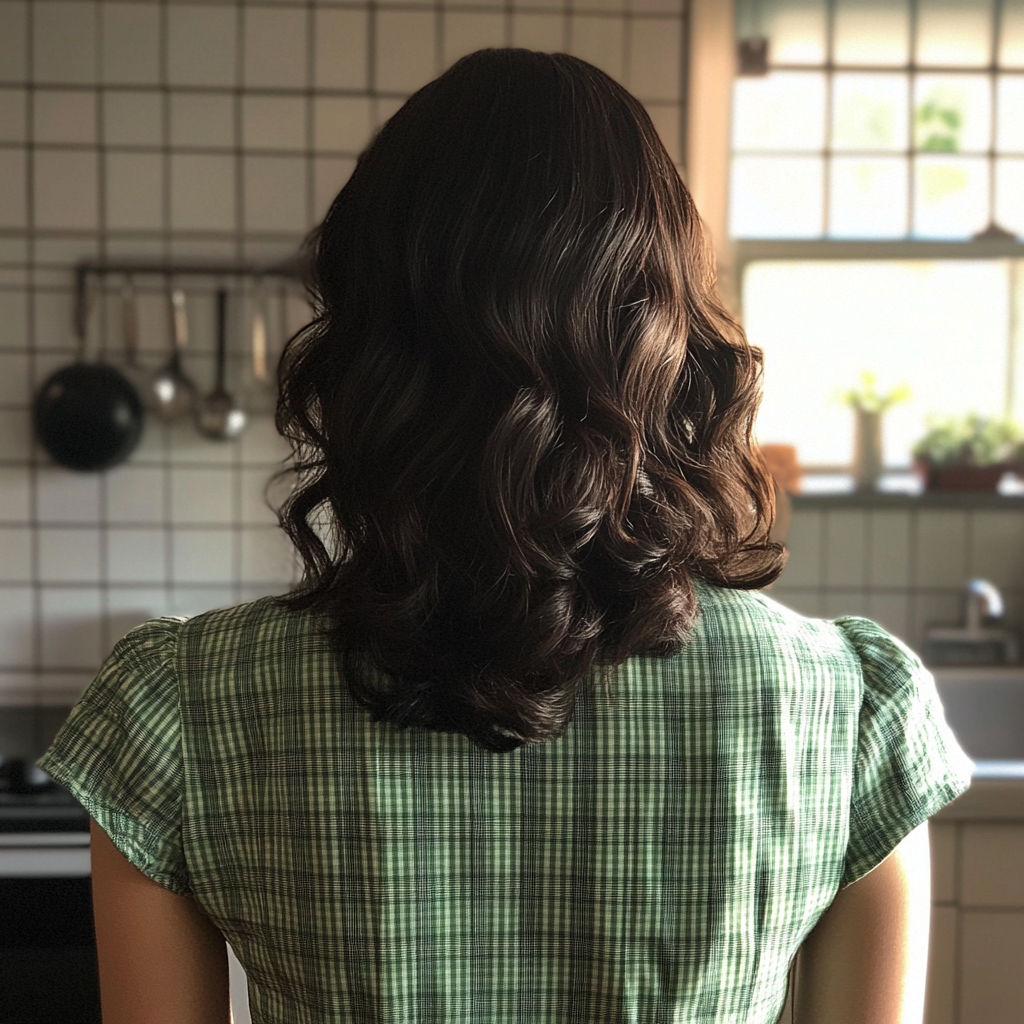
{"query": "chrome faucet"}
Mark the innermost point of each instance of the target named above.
(983, 602)
(975, 643)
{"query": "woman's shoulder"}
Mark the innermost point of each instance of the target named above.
(266, 618)
(251, 639)
(217, 642)
(220, 631)
(751, 629)
(742, 618)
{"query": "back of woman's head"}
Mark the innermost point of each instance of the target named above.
(522, 421)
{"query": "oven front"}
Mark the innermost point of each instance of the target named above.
(48, 971)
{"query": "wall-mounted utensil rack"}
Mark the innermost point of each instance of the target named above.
(294, 269)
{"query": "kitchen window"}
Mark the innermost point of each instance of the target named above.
(876, 209)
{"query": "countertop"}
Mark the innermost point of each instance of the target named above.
(996, 794)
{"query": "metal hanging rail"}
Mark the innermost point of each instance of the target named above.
(294, 269)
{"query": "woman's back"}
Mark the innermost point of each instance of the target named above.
(663, 860)
(522, 427)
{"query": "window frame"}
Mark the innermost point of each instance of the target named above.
(743, 251)
(747, 252)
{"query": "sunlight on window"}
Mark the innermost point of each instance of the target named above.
(1010, 104)
(872, 32)
(797, 29)
(947, 112)
(1011, 45)
(954, 33)
(868, 197)
(1010, 194)
(869, 112)
(952, 113)
(775, 196)
(885, 120)
(950, 196)
(939, 326)
(783, 111)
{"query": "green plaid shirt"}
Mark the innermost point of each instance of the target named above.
(662, 862)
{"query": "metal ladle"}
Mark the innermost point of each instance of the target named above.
(172, 391)
(218, 416)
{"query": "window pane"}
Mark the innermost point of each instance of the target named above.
(820, 323)
(954, 33)
(1011, 43)
(1016, 272)
(1010, 195)
(776, 197)
(869, 112)
(784, 110)
(950, 196)
(868, 198)
(1010, 130)
(952, 113)
(796, 31)
(872, 32)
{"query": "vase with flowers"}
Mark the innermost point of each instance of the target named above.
(869, 405)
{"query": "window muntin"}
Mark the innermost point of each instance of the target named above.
(903, 132)
(913, 81)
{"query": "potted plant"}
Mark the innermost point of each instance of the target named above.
(969, 453)
(869, 405)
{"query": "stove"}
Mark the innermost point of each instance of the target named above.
(48, 971)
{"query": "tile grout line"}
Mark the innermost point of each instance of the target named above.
(39, 282)
(103, 302)
(31, 328)
(958, 944)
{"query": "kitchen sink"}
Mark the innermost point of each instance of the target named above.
(985, 709)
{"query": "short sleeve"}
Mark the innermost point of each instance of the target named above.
(119, 753)
(908, 763)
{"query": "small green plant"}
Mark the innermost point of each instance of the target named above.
(938, 127)
(970, 440)
(867, 398)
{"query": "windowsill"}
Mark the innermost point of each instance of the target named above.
(899, 490)
(747, 250)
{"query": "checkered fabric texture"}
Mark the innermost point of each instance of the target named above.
(661, 862)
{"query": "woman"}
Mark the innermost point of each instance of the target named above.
(526, 745)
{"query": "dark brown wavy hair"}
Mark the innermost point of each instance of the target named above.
(521, 418)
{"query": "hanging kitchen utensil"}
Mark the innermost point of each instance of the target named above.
(130, 322)
(259, 338)
(172, 390)
(217, 415)
(87, 416)
(260, 392)
(284, 327)
(130, 333)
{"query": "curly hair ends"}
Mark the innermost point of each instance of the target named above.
(520, 414)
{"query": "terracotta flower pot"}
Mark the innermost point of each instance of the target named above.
(960, 478)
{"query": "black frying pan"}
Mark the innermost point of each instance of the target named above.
(88, 415)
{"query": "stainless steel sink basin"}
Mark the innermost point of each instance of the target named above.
(985, 709)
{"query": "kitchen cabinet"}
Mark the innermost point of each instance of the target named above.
(976, 958)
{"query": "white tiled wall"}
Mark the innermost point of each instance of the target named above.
(906, 567)
(165, 129)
